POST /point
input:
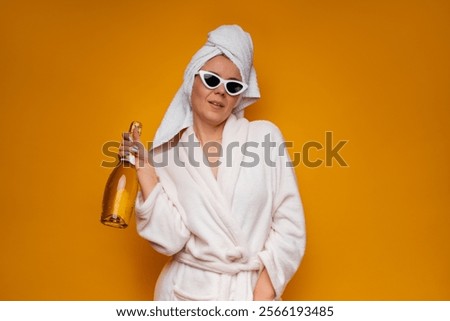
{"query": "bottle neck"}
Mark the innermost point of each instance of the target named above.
(127, 161)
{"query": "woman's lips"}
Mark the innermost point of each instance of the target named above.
(216, 103)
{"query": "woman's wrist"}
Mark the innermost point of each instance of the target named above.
(264, 290)
(147, 178)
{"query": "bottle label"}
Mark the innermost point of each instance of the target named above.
(131, 159)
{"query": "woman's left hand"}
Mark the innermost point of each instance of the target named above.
(264, 290)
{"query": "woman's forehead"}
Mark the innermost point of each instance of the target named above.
(222, 66)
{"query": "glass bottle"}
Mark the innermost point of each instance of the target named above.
(121, 190)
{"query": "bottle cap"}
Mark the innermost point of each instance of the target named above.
(135, 124)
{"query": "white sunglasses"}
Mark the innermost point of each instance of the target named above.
(212, 81)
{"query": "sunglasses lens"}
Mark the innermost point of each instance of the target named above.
(234, 87)
(211, 80)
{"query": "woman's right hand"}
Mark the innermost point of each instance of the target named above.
(131, 144)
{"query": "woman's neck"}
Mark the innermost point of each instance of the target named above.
(207, 133)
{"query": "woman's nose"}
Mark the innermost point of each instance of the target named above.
(220, 90)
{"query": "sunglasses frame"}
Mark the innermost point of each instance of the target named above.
(202, 74)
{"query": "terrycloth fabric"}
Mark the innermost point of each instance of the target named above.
(229, 40)
(222, 231)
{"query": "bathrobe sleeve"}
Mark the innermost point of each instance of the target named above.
(159, 221)
(285, 245)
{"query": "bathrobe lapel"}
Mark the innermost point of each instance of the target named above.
(234, 137)
(218, 193)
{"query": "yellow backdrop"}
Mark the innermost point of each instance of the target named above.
(73, 74)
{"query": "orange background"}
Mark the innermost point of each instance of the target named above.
(73, 74)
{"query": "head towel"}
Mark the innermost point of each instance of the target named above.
(228, 40)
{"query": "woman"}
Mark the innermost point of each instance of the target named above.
(218, 194)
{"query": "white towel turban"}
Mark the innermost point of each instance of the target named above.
(234, 43)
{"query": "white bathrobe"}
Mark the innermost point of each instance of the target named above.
(222, 232)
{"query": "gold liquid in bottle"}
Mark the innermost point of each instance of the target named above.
(121, 191)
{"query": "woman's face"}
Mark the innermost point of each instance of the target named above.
(214, 106)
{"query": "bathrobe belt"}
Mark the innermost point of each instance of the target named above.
(231, 267)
